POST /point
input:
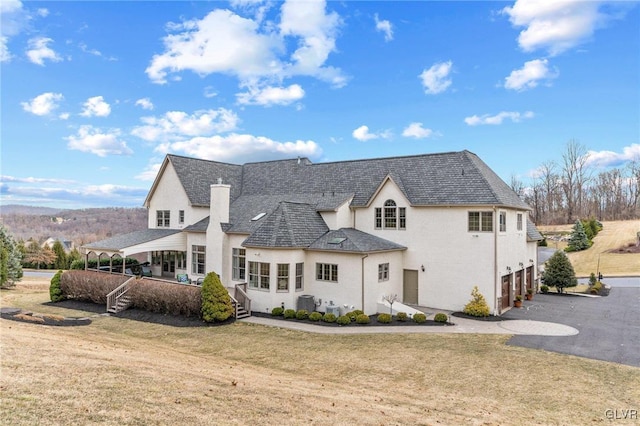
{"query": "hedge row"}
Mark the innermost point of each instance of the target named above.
(88, 286)
(166, 298)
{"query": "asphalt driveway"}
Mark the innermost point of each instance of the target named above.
(609, 327)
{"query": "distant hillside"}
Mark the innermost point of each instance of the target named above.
(80, 226)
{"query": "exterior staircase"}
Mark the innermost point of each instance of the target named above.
(118, 300)
(241, 302)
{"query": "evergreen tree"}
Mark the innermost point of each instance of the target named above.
(578, 239)
(10, 257)
(559, 272)
(61, 257)
(216, 302)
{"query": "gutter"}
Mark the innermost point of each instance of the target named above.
(362, 278)
(496, 308)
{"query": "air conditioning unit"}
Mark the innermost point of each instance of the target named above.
(307, 302)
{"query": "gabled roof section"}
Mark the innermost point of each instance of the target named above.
(453, 178)
(291, 225)
(353, 240)
(532, 232)
(199, 226)
(246, 207)
(196, 177)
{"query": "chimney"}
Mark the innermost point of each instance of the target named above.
(218, 214)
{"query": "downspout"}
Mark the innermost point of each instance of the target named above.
(362, 278)
(497, 309)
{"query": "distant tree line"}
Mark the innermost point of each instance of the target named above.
(564, 192)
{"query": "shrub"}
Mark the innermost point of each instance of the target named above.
(402, 316)
(78, 264)
(384, 318)
(343, 320)
(358, 312)
(302, 314)
(352, 315)
(89, 286)
(420, 318)
(55, 293)
(315, 316)
(289, 313)
(166, 298)
(440, 317)
(477, 307)
(329, 318)
(596, 288)
(592, 279)
(544, 289)
(216, 302)
(277, 311)
(363, 319)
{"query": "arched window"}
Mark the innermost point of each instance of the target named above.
(390, 216)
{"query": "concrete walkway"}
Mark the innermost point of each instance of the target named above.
(461, 325)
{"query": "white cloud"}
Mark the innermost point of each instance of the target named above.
(613, 159)
(269, 95)
(64, 116)
(145, 103)
(385, 27)
(362, 134)
(515, 117)
(39, 51)
(96, 107)
(43, 104)
(555, 26)
(209, 92)
(43, 12)
(242, 148)
(436, 79)
(415, 130)
(150, 172)
(176, 125)
(254, 52)
(95, 141)
(5, 55)
(530, 75)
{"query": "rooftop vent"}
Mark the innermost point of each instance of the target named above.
(258, 216)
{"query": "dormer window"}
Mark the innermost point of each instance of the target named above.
(390, 216)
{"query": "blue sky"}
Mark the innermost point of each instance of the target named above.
(94, 94)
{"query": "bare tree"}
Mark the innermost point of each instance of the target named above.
(575, 174)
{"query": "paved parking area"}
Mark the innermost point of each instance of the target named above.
(609, 327)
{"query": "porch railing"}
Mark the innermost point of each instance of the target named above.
(242, 299)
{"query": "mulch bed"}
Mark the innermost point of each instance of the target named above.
(373, 322)
(490, 318)
(16, 314)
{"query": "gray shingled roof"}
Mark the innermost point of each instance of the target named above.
(294, 225)
(454, 178)
(353, 240)
(131, 239)
(532, 232)
(198, 175)
(246, 207)
(200, 226)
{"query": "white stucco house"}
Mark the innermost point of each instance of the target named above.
(426, 227)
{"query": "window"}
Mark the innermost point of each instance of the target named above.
(299, 276)
(181, 260)
(519, 222)
(156, 258)
(259, 275)
(163, 220)
(180, 216)
(378, 221)
(391, 216)
(283, 277)
(327, 272)
(239, 257)
(383, 272)
(480, 221)
(198, 254)
(503, 221)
